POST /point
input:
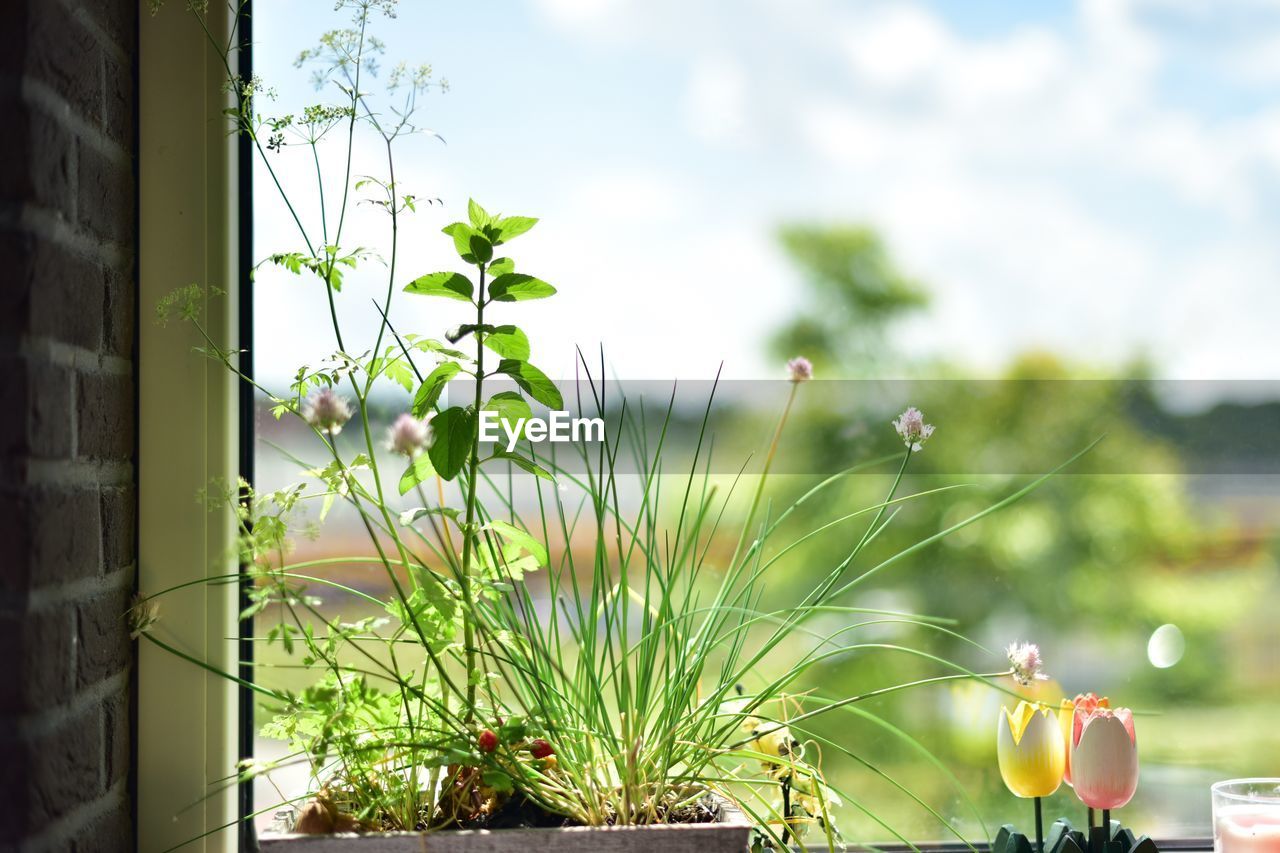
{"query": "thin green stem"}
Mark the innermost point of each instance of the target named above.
(468, 533)
(883, 691)
(764, 474)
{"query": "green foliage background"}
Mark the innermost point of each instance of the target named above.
(1087, 567)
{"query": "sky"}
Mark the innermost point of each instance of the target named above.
(1097, 178)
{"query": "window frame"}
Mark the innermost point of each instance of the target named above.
(188, 736)
(196, 225)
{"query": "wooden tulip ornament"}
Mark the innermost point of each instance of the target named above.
(1104, 762)
(1084, 704)
(1032, 756)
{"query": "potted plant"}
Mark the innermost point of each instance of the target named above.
(581, 670)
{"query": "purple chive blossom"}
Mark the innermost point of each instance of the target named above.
(1026, 662)
(409, 436)
(800, 369)
(326, 411)
(912, 429)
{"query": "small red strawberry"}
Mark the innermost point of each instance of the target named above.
(539, 748)
(487, 741)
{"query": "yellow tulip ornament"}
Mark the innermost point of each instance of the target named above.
(1032, 755)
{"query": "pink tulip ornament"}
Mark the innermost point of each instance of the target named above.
(1104, 759)
(1070, 712)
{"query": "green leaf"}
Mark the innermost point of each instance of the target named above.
(419, 471)
(450, 285)
(501, 266)
(471, 244)
(429, 608)
(518, 537)
(455, 433)
(432, 345)
(398, 370)
(534, 382)
(507, 341)
(479, 218)
(432, 387)
(328, 267)
(457, 334)
(461, 233)
(509, 407)
(521, 462)
(292, 261)
(498, 781)
(514, 728)
(517, 287)
(409, 516)
(481, 249)
(511, 227)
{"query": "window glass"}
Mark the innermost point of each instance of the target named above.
(1042, 224)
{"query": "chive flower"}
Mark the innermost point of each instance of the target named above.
(409, 436)
(1026, 663)
(327, 411)
(143, 613)
(912, 429)
(800, 369)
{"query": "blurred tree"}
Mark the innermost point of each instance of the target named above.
(856, 293)
(1088, 566)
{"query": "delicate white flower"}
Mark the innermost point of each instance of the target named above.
(327, 411)
(143, 613)
(800, 369)
(1026, 662)
(409, 436)
(912, 429)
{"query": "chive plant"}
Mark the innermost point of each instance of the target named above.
(594, 661)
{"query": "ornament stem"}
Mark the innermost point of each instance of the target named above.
(1039, 828)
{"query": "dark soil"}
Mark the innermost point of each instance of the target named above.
(518, 812)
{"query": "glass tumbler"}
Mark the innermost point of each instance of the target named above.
(1246, 816)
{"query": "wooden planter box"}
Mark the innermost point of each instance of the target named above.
(731, 834)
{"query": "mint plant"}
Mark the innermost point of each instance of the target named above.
(457, 437)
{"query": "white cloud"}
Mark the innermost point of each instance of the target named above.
(590, 16)
(1023, 266)
(897, 45)
(1258, 62)
(1035, 176)
(630, 198)
(1009, 170)
(664, 302)
(1056, 183)
(715, 102)
(1115, 38)
(1216, 312)
(903, 47)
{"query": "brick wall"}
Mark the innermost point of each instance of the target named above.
(68, 308)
